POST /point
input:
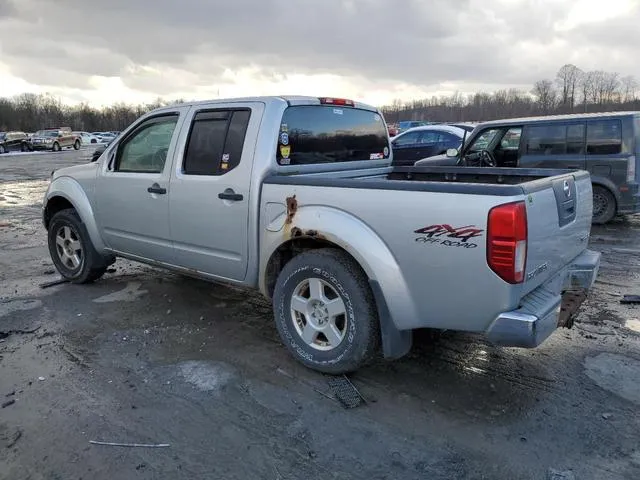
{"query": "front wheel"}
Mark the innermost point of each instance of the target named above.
(56, 147)
(71, 250)
(325, 312)
(604, 205)
(76, 145)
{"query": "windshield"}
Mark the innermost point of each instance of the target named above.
(3, 135)
(326, 134)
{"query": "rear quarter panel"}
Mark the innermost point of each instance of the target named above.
(429, 278)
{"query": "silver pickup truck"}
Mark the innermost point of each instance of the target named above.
(296, 196)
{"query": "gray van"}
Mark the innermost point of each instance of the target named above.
(607, 145)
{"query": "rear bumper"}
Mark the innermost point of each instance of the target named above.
(549, 306)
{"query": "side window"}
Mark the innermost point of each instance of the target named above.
(546, 140)
(483, 140)
(575, 139)
(429, 137)
(145, 151)
(408, 139)
(215, 142)
(511, 139)
(604, 137)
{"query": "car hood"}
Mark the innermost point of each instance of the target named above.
(85, 170)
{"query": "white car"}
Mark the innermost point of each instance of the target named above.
(86, 138)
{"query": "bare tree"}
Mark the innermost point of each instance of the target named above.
(628, 88)
(568, 78)
(546, 95)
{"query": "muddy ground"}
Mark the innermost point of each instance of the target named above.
(144, 356)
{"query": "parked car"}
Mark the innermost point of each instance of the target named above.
(421, 142)
(86, 138)
(605, 144)
(407, 124)
(272, 193)
(13, 142)
(54, 139)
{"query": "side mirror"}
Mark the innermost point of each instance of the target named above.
(452, 152)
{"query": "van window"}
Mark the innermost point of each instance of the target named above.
(555, 139)
(604, 137)
(312, 134)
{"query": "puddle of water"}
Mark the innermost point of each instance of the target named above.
(618, 374)
(206, 376)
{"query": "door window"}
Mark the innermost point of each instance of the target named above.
(511, 139)
(407, 139)
(145, 151)
(483, 140)
(215, 142)
(604, 137)
(430, 137)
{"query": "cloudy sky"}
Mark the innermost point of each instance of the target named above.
(372, 50)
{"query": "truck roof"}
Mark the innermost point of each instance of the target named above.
(271, 99)
(559, 118)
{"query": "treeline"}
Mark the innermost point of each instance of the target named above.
(571, 91)
(29, 112)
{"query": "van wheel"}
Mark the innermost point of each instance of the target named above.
(325, 312)
(76, 145)
(71, 250)
(56, 147)
(604, 205)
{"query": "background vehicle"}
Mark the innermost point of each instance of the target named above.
(13, 142)
(421, 142)
(407, 124)
(86, 138)
(54, 139)
(607, 145)
(272, 193)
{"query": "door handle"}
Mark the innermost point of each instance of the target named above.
(230, 195)
(155, 188)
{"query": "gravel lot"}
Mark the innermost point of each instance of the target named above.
(144, 356)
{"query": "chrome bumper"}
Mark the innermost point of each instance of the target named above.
(540, 310)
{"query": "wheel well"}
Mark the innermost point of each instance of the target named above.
(608, 189)
(285, 252)
(54, 205)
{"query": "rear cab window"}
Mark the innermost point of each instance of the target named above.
(314, 134)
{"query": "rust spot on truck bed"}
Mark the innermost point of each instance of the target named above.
(292, 208)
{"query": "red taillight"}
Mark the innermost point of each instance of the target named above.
(336, 101)
(507, 241)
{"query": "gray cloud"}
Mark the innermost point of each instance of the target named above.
(413, 41)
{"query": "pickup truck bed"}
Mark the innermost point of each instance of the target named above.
(432, 272)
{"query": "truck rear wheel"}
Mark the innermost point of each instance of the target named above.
(71, 249)
(76, 145)
(325, 312)
(604, 205)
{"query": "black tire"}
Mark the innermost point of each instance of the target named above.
(604, 205)
(92, 265)
(56, 147)
(76, 145)
(361, 338)
(23, 148)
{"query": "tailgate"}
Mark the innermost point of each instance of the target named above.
(559, 213)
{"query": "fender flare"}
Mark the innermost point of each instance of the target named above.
(70, 190)
(349, 233)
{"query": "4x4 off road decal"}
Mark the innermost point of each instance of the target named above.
(448, 236)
